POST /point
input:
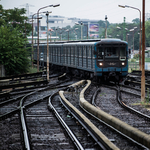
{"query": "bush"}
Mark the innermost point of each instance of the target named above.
(136, 56)
(133, 60)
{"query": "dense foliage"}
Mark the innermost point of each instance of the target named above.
(13, 51)
(13, 55)
(147, 32)
(130, 34)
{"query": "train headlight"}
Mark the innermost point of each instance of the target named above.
(123, 63)
(101, 64)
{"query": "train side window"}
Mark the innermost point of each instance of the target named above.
(92, 51)
(68, 51)
(65, 51)
(89, 51)
(58, 50)
(55, 50)
(75, 51)
(80, 51)
(84, 50)
(72, 51)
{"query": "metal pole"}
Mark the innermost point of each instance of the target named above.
(140, 32)
(32, 38)
(133, 40)
(38, 41)
(124, 32)
(38, 33)
(47, 49)
(81, 30)
(140, 43)
(32, 42)
(143, 56)
(106, 27)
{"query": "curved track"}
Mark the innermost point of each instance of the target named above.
(41, 129)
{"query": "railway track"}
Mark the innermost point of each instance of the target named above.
(134, 79)
(119, 108)
(13, 84)
(30, 118)
(15, 113)
(44, 129)
(86, 132)
(119, 139)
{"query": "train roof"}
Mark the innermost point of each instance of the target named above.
(86, 42)
(111, 41)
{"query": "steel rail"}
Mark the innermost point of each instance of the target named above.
(86, 126)
(111, 127)
(23, 123)
(119, 99)
(72, 136)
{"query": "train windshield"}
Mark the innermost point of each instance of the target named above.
(111, 53)
(115, 53)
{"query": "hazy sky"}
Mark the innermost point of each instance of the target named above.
(85, 9)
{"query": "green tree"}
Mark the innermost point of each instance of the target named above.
(13, 54)
(16, 18)
(13, 51)
(136, 20)
(147, 32)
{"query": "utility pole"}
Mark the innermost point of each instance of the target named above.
(47, 13)
(81, 30)
(124, 32)
(106, 26)
(143, 56)
(140, 31)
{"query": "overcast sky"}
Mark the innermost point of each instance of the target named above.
(84, 9)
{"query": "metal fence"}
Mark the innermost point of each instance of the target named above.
(135, 66)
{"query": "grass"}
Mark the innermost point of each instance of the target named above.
(33, 70)
(147, 59)
(144, 104)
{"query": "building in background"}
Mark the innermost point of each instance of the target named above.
(60, 22)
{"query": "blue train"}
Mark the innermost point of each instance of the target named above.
(102, 59)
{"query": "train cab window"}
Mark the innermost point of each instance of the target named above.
(111, 52)
(100, 53)
(122, 53)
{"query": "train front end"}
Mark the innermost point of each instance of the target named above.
(111, 59)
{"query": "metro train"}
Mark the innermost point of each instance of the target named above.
(105, 59)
